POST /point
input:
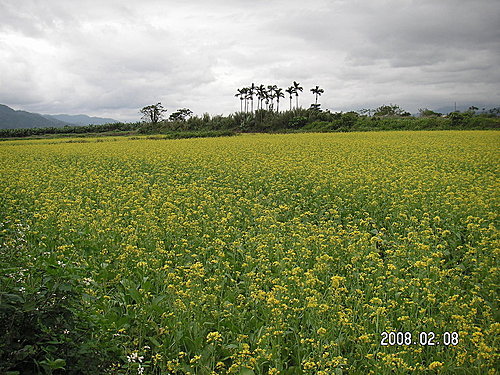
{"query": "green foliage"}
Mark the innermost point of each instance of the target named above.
(297, 122)
(48, 322)
(74, 130)
(391, 110)
(388, 117)
(181, 115)
(153, 113)
(425, 112)
(44, 329)
(349, 119)
(459, 119)
(318, 125)
(493, 112)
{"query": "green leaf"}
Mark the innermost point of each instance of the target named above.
(54, 365)
(12, 297)
(158, 299)
(154, 341)
(58, 364)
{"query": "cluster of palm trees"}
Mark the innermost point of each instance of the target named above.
(266, 95)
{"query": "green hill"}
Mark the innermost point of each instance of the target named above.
(12, 119)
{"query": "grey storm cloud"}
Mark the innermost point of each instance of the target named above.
(111, 58)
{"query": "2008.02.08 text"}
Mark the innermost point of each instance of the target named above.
(397, 338)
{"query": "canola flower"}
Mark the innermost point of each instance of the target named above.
(269, 254)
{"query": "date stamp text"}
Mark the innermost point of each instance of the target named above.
(396, 338)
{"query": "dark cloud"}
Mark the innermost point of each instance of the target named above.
(111, 58)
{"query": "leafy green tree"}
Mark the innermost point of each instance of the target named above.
(460, 119)
(348, 119)
(297, 122)
(425, 112)
(153, 113)
(181, 115)
(366, 112)
(391, 110)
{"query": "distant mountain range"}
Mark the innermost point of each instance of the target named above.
(12, 119)
(80, 119)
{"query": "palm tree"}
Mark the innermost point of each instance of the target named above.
(267, 96)
(240, 94)
(244, 95)
(278, 92)
(290, 91)
(251, 91)
(297, 88)
(317, 91)
(271, 89)
(261, 94)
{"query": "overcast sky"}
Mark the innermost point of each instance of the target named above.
(111, 58)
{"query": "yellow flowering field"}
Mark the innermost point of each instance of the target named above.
(265, 254)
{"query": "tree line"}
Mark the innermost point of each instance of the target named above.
(267, 94)
(264, 116)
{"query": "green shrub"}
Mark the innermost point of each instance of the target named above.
(45, 328)
(297, 122)
(349, 119)
(459, 119)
